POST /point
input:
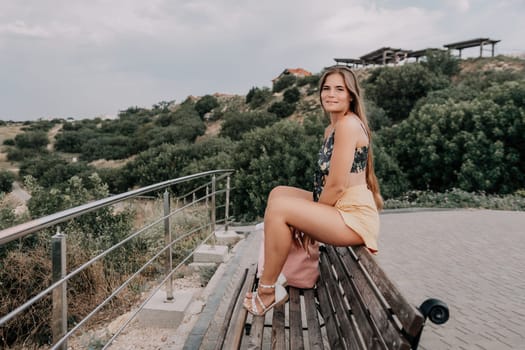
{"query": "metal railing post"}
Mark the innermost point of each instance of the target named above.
(59, 313)
(212, 209)
(207, 199)
(227, 208)
(167, 241)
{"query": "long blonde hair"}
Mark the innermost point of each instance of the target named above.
(358, 108)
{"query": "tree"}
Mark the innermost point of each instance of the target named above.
(235, 124)
(205, 104)
(282, 109)
(284, 82)
(257, 97)
(475, 145)
(441, 62)
(32, 140)
(397, 89)
(6, 180)
(291, 95)
(282, 154)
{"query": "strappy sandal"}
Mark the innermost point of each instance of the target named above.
(281, 279)
(280, 298)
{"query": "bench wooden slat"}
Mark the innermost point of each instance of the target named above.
(325, 305)
(350, 334)
(411, 319)
(315, 338)
(379, 313)
(278, 329)
(257, 333)
(296, 325)
(233, 337)
(371, 335)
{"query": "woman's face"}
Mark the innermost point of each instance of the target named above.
(335, 97)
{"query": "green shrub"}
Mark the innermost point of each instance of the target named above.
(6, 180)
(291, 95)
(20, 154)
(397, 89)
(51, 170)
(441, 62)
(32, 140)
(282, 154)
(456, 198)
(205, 104)
(9, 142)
(235, 124)
(257, 97)
(282, 109)
(477, 145)
(284, 82)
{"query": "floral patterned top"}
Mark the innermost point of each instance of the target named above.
(323, 168)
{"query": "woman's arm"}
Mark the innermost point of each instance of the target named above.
(345, 141)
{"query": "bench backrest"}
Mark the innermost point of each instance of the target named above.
(361, 307)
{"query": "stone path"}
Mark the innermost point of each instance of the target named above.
(474, 261)
(471, 259)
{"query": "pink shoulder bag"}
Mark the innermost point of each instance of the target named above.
(300, 270)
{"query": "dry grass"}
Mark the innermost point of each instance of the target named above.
(8, 132)
(111, 164)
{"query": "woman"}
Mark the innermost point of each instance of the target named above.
(343, 208)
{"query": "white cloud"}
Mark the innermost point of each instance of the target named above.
(20, 28)
(120, 53)
(458, 5)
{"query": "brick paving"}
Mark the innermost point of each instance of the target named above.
(473, 260)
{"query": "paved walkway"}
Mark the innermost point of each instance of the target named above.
(471, 259)
(474, 261)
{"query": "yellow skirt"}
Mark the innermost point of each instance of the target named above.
(359, 212)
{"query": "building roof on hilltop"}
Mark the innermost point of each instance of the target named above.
(298, 72)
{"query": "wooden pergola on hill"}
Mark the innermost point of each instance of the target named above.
(473, 43)
(386, 55)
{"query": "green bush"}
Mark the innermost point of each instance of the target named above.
(20, 154)
(108, 147)
(392, 180)
(282, 154)
(6, 180)
(235, 124)
(291, 95)
(441, 62)
(205, 104)
(9, 142)
(51, 170)
(284, 82)
(282, 109)
(377, 117)
(312, 80)
(257, 97)
(456, 198)
(32, 140)
(477, 145)
(26, 267)
(397, 89)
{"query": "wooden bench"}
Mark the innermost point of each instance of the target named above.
(353, 306)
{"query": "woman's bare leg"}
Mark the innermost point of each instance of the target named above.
(292, 208)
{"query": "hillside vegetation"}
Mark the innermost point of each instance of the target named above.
(447, 133)
(440, 125)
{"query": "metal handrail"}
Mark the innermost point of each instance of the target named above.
(19, 231)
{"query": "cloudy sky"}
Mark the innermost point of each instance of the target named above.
(83, 59)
